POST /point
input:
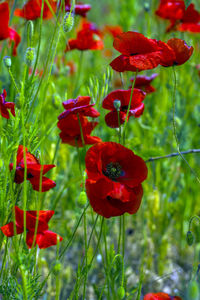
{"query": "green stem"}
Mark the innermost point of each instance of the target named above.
(13, 80)
(129, 106)
(173, 155)
(174, 127)
(77, 87)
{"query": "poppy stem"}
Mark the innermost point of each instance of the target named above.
(174, 127)
(77, 86)
(120, 131)
(13, 80)
(173, 155)
(129, 106)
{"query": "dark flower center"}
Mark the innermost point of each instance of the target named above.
(113, 170)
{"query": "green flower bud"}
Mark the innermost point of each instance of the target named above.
(190, 238)
(121, 292)
(30, 30)
(146, 6)
(82, 199)
(68, 22)
(7, 61)
(117, 104)
(29, 56)
(57, 268)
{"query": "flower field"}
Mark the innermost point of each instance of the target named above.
(100, 150)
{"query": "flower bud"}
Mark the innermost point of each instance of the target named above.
(117, 104)
(121, 292)
(68, 22)
(30, 30)
(29, 56)
(82, 199)
(7, 61)
(190, 238)
(146, 6)
(57, 268)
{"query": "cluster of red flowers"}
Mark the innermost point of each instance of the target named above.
(74, 125)
(35, 170)
(180, 17)
(36, 224)
(139, 53)
(160, 296)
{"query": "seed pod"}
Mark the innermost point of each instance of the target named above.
(57, 268)
(117, 104)
(121, 292)
(29, 56)
(68, 22)
(190, 238)
(7, 61)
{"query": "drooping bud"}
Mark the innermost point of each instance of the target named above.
(121, 292)
(29, 56)
(117, 104)
(82, 199)
(190, 238)
(68, 22)
(30, 31)
(7, 61)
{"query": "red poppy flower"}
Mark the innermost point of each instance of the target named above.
(88, 38)
(76, 111)
(32, 10)
(181, 19)
(115, 175)
(136, 108)
(144, 83)
(5, 106)
(113, 30)
(140, 53)
(181, 50)
(160, 296)
(34, 169)
(80, 8)
(44, 237)
(5, 31)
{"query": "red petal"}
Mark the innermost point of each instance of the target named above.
(181, 49)
(191, 15)
(47, 183)
(111, 119)
(133, 43)
(191, 27)
(47, 239)
(8, 229)
(4, 17)
(14, 36)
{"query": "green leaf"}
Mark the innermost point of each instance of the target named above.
(187, 3)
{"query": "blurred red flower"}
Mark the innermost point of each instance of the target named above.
(80, 8)
(113, 30)
(136, 108)
(160, 296)
(144, 83)
(32, 10)
(5, 31)
(115, 175)
(88, 38)
(181, 19)
(5, 106)
(140, 53)
(34, 169)
(73, 122)
(44, 237)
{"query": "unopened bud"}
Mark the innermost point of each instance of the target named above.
(146, 6)
(82, 199)
(57, 268)
(30, 30)
(121, 292)
(190, 238)
(7, 61)
(117, 104)
(68, 22)
(29, 56)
